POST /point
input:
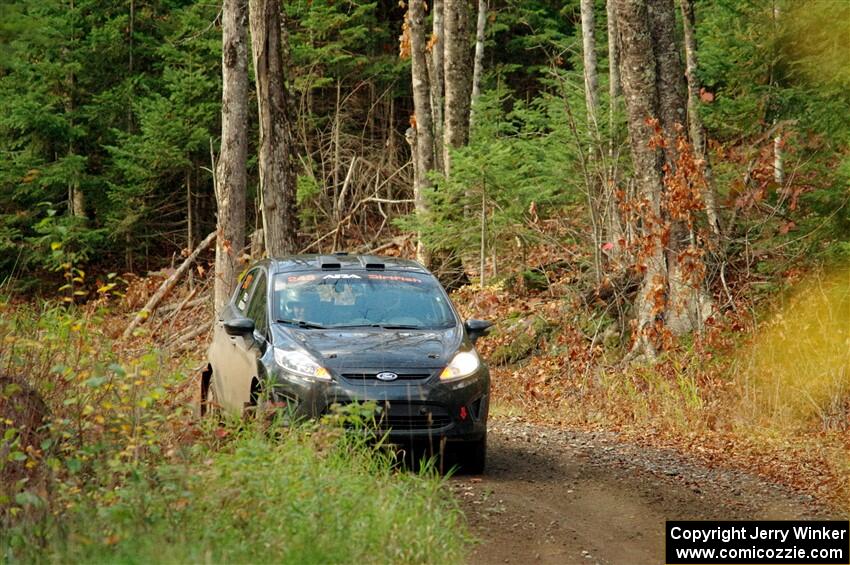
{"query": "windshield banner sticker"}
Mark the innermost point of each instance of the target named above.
(393, 278)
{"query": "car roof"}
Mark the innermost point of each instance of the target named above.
(313, 262)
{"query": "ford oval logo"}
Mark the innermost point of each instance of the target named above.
(386, 376)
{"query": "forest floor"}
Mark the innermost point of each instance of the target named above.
(555, 495)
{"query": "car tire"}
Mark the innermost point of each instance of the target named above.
(473, 457)
(210, 407)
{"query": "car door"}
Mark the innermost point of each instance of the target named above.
(224, 352)
(246, 350)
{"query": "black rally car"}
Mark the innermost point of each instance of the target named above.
(311, 331)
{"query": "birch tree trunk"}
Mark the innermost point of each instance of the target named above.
(478, 65)
(458, 81)
(591, 79)
(615, 233)
(778, 161)
(230, 174)
(695, 125)
(277, 173)
(613, 55)
(422, 140)
(435, 59)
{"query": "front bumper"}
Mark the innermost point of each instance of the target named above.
(421, 410)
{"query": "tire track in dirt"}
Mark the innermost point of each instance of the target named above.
(561, 496)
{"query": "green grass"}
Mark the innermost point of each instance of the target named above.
(123, 472)
(290, 498)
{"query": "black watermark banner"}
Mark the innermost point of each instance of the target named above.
(758, 542)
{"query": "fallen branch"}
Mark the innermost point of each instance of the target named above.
(184, 339)
(189, 305)
(398, 241)
(176, 313)
(166, 286)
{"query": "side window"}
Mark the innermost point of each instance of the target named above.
(257, 310)
(242, 293)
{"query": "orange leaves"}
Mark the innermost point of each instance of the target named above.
(684, 184)
(431, 42)
(404, 40)
(656, 140)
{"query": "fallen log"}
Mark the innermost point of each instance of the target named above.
(166, 286)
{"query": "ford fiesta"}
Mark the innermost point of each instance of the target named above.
(307, 332)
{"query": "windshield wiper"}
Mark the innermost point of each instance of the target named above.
(382, 326)
(302, 324)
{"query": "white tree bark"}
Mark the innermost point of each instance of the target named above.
(478, 65)
(695, 125)
(613, 55)
(591, 79)
(230, 173)
(436, 62)
(422, 139)
(778, 161)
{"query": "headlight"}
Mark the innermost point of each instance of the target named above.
(301, 364)
(462, 365)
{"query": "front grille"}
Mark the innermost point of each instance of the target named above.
(409, 416)
(414, 417)
(372, 376)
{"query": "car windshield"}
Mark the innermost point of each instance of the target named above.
(361, 299)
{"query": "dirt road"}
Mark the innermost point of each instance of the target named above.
(555, 496)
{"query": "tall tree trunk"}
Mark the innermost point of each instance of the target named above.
(695, 126)
(613, 224)
(478, 65)
(591, 80)
(595, 192)
(458, 81)
(686, 301)
(670, 78)
(668, 300)
(76, 198)
(638, 82)
(230, 174)
(277, 172)
(422, 139)
(437, 73)
(613, 54)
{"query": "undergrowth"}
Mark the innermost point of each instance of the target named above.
(118, 469)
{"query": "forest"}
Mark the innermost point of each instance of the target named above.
(648, 197)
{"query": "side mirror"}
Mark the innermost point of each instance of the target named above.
(477, 328)
(243, 327)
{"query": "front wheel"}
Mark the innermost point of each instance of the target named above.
(472, 456)
(209, 406)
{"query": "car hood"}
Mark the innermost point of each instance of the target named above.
(374, 347)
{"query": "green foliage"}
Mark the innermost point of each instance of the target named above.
(769, 61)
(122, 113)
(524, 36)
(776, 62)
(122, 472)
(517, 165)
